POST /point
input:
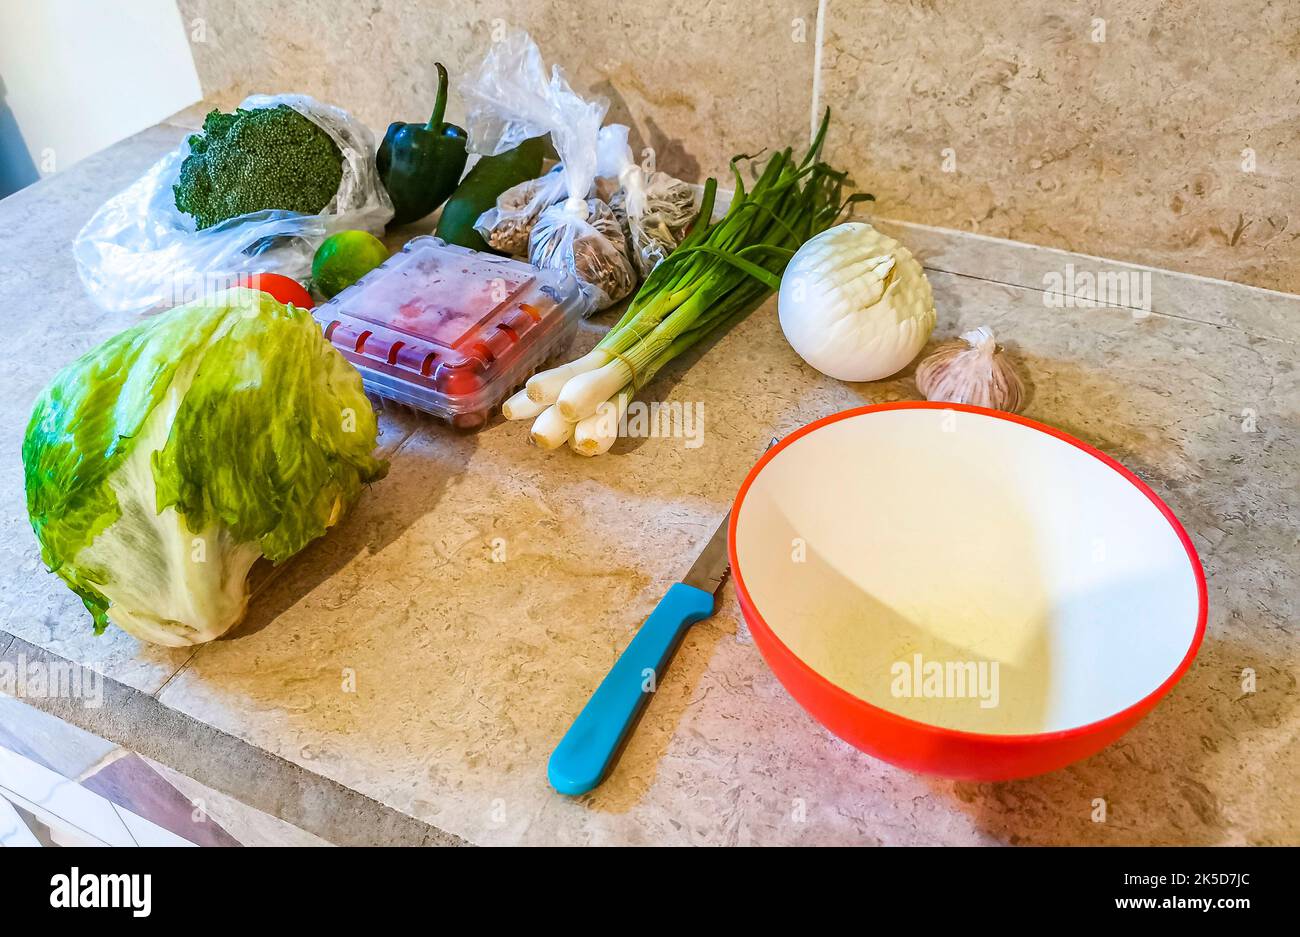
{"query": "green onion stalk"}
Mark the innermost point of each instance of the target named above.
(718, 274)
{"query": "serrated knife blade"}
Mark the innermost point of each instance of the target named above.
(709, 571)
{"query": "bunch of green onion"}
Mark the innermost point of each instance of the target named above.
(718, 274)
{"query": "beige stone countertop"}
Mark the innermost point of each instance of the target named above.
(468, 671)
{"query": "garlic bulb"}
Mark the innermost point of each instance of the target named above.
(855, 304)
(974, 370)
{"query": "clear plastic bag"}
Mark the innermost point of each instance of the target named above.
(139, 251)
(507, 226)
(657, 217)
(511, 98)
(654, 207)
(591, 247)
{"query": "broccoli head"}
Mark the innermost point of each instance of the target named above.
(249, 161)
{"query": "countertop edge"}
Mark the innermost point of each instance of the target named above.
(139, 722)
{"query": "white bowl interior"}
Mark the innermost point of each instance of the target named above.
(1048, 590)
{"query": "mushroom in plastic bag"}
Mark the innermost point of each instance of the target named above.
(511, 98)
(140, 250)
(586, 238)
(654, 207)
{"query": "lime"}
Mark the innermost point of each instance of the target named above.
(344, 258)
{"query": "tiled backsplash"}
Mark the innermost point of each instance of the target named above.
(1159, 133)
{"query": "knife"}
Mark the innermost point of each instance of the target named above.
(589, 749)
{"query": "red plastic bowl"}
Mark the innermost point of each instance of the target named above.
(963, 592)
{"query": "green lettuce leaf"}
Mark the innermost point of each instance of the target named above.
(161, 465)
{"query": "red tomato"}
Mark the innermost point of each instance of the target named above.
(459, 380)
(280, 288)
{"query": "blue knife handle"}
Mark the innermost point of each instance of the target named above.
(587, 751)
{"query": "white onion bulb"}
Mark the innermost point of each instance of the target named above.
(855, 304)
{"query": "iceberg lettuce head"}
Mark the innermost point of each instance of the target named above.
(163, 464)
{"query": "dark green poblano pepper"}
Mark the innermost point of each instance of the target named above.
(420, 164)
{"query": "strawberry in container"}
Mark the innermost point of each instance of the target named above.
(451, 331)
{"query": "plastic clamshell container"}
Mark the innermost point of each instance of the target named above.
(452, 331)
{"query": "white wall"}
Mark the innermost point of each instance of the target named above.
(79, 75)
